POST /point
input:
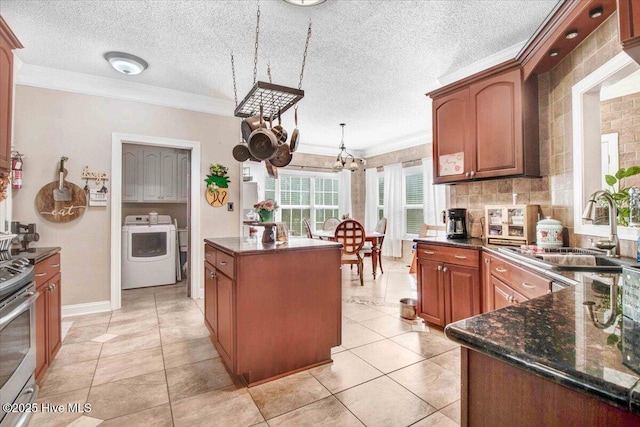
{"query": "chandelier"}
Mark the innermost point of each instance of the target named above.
(345, 157)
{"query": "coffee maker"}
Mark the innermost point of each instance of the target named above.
(456, 223)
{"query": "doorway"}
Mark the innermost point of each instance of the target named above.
(193, 216)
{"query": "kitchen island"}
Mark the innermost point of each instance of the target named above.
(548, 362)
(272, 309)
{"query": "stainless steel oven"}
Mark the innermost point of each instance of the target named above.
(18, 390)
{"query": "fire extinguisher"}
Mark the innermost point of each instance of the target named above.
(16, 171)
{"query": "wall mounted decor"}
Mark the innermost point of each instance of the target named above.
(60, 200)
(217, 185)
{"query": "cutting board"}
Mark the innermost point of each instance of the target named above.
(54, 211)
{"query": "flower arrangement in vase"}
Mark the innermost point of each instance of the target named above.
(266, 209)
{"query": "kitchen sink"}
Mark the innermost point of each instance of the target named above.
(571, 259)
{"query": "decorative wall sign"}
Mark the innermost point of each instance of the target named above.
(217, 185)
(451, 164)
(218, 197)
(61, 211)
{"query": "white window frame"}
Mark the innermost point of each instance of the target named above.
(379, 206)
(411, 170)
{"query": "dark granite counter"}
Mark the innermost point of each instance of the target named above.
(554, 336)
(35, 255)
(247, 246)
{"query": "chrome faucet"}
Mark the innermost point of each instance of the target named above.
(589, 214)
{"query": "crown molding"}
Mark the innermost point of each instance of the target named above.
(483, 64)
(402, 142)
(69, 81)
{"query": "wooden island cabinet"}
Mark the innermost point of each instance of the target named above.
(272, 310)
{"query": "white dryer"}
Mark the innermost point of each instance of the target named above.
(148, 252)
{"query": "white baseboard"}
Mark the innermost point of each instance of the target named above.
(86, 308)
(201, 293)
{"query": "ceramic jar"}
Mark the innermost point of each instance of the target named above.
(549, 233)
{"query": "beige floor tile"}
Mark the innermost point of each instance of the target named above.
(127, 365)
(386, 355)
(325, 412)
(436, 420)
(200, 303)
(59, 419)
(174, 334)
(138, 303)
(355, 335)
(84, 333)
(85, 421)
(182, 305)
(133, 315)
(338, 349)
(428, 344)
(449, 360)
(286, 394)
(359, 312)
(60, 379)
(229, 406)
(432, 383)
(387, 326)
(90, 319)
(124, 327)
(196, 378)
(347, 370)
(186, 352)
(77, 352)
(140, 340)
(382, 402)
(159, 416)
(193, 316)
(452, 411)
(127, 396)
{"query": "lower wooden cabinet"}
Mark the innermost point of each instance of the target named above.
(448, 292)
(48, 313)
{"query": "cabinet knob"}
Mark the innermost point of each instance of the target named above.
(487, 260)
(445, 269)
(223, 263)
(467, 174)
(439, 268)
(212, 274)
(528, 286)
(501, 270)
(472, 173)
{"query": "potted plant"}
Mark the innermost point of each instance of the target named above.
(266, 209)
(620, 192)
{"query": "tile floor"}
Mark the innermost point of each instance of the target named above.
(152, 364)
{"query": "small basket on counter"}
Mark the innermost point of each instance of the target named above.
(5, 241)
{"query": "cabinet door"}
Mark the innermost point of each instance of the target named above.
(168, 176)
(6, 93)
(503, 295)
(210, 305)
(629, 27)
(41, 331)
(462, 285)
(131, 190)
(225, 320)
(452, 149)
(151, 191)
(496, 131)
(487, 290)
(431, 298)
(184, 175)
(54, 317)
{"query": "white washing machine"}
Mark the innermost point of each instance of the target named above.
(148, 252)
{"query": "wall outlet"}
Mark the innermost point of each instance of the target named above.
(230, 206)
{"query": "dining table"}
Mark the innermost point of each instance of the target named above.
(374, 237)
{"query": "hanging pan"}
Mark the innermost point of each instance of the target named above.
(262, 142)
(295, 136)
(280, 132)
(241, 152)
(248, 125)
(283, 156)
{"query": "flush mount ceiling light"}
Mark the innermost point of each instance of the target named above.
(595, 13)
(571, 34)
(305, 2)
(344, 156)
(126, 63)
(554, 52)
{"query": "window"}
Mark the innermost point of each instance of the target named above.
(413, 199)
(380, 196)
(303, 196)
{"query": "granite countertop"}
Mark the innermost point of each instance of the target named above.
(554, 336)
(35, 255)
(245, 246)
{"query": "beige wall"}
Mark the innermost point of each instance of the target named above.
(50, 124)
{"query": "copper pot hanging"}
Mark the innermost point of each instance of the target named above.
(295, 136)
(262, 142)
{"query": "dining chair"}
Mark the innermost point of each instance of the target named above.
(351, 234)
(330, 223)
(367, 249)
(307, 227)
(424, 232)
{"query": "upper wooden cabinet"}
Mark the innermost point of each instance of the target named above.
(629, 27)
(486, 126)
(8, 42)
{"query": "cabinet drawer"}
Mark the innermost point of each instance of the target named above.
(47, 268)
(449, 254)
(225, 263)
(523, 281)
(210, 254)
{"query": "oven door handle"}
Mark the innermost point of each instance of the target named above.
(24, 418)
(24, 306)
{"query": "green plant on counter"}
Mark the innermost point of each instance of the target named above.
(621, 194)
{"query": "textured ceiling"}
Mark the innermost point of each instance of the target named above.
(369, 62)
